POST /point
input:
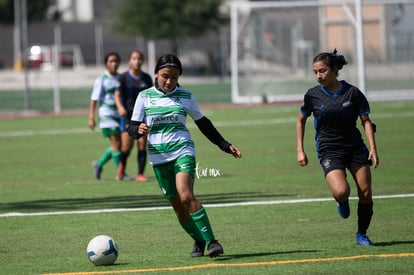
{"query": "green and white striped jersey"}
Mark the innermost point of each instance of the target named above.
(166, 116)
(103, 92)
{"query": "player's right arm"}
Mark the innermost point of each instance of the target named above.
(91, 121)
(96, 93)
(137, 128)
(300, 133)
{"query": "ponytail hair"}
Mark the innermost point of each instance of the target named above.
(333, 60)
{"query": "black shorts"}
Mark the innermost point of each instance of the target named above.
(332, 160)
(124, 124)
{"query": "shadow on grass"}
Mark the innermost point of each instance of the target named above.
(126, 202)
(263, 254)
(393, 243)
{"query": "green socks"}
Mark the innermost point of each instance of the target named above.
(192, 230)
(107, 155)
(202, 222)
(116, 157)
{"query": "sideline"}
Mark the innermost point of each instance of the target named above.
(247, 203)
(209, 265)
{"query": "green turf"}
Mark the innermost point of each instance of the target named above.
(46, 167)
(271, 86)
(41, 100)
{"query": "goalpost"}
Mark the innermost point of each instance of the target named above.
(273, 44)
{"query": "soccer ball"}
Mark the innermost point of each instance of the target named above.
(102, 250)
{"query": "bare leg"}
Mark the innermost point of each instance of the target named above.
(340, 190)
(338, 184)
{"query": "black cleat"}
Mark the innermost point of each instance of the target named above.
(97, 170)
(214, 249)
(198, 249)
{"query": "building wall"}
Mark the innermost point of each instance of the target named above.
(340, 30)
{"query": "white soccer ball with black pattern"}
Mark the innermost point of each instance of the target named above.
(102, 250)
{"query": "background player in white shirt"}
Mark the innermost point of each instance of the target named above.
(108, 116)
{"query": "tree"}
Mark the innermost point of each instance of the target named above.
(36, 10)
(174, 20)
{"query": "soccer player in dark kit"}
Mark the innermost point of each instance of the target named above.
(131, 83)
(336, 106)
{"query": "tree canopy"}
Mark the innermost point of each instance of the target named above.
(174, 20)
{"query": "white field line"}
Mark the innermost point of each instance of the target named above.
(247, 203)
(270, 121)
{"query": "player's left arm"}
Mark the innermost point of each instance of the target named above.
(208, 129)
(118, 97)
(370, 129)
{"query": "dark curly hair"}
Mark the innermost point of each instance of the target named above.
(333, 60)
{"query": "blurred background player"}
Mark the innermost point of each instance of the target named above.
(131, 83)
(160, 114)
(336, 106)
(103, 95)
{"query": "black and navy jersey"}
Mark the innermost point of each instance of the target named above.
(335, 116)
(130, 86)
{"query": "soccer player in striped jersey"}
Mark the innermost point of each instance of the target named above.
(336, 106)
(160, 113)
(131, 83)
(108, 116)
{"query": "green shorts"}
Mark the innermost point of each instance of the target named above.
(165, 174)
(106, 132)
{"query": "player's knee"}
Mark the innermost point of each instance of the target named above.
(187, 199)
(365, 196)
(340, 194)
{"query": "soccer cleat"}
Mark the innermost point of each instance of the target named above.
(363, 239)
(97, 170)
(214, 249)
(141, 178)
(124, 177)
(198, 249)
(343, 209)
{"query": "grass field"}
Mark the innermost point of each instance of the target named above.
(264, 209)
(41, 100)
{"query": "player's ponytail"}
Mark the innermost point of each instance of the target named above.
(340, 59)
(333, 60)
